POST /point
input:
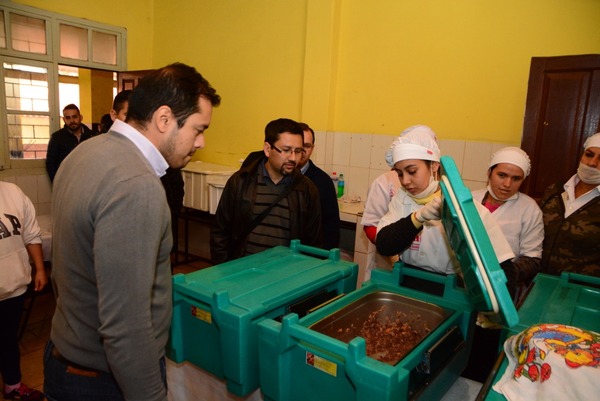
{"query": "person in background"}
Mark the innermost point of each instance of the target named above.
(379, 195)
(572, 218)
(330, 211)
(520, 218)
(269, 202)
(63, 141)
(174, 187)
(518, 215)
(120, 105)
(20, 241)
(111, 244)
(105, 123)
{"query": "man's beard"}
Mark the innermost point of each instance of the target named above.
(283, 171)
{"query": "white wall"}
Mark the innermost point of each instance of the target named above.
(360, 157)
(37, 188)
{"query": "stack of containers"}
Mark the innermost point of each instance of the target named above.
(216, 310)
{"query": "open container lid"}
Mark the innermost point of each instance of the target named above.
(484, 279)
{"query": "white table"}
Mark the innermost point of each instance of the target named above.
(187, 382)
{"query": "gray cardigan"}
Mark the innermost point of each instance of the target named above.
(111, 269)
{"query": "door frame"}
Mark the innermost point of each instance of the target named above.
(540, 67)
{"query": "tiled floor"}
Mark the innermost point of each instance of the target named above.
(37, 332)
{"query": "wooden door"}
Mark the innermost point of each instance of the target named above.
(563, 108)
(129, 79)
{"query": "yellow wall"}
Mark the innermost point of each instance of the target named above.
(460, 66)
(135, 15)
(250, 51)
(350, 65)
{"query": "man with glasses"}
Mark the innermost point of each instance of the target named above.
(268, 202)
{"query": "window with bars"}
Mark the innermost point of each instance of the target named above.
(27, 110)
(32, 65)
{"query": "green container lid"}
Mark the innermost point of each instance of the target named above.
(485, 280)
(259, 283)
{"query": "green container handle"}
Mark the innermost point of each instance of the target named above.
(291, 329)
(297, 247)
(580, 278)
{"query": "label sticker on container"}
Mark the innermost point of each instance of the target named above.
(202, 315)
(321, 364)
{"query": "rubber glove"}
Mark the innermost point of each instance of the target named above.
(488, 320)
(431, 211)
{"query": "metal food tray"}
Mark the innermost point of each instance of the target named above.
(346, 323)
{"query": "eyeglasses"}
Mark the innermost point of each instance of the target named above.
(289, 151)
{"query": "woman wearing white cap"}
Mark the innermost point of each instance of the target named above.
(412, 226)
(519, 215)
(572, 218)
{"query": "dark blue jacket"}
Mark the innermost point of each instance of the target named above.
(62, 142)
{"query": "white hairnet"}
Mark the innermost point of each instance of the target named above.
(512, 155)
(417, 142)
(592, 141)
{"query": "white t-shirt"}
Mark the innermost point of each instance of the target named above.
(18, 227)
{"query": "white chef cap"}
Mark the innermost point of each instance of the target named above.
(512, 155)
(416, 142)
(592, 141)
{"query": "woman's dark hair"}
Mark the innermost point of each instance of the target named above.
(178, 86)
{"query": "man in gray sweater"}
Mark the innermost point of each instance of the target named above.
(111, 244)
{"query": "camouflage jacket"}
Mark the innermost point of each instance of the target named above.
(570, 244)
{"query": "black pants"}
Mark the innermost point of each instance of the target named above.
(484, 353)
(10, 316)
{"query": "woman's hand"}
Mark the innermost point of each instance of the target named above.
(431, 211)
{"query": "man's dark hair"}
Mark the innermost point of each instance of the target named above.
(71, 106)
(120, 100)
(105, 123)
(178, 86)
(305, 127)
(279, 126)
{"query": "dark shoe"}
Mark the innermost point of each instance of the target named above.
(24, 393)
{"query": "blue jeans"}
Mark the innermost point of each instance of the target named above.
(62, 383)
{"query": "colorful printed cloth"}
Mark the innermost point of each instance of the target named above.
(551, 362)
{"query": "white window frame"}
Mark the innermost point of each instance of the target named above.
(51, 60)
(5, 161)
